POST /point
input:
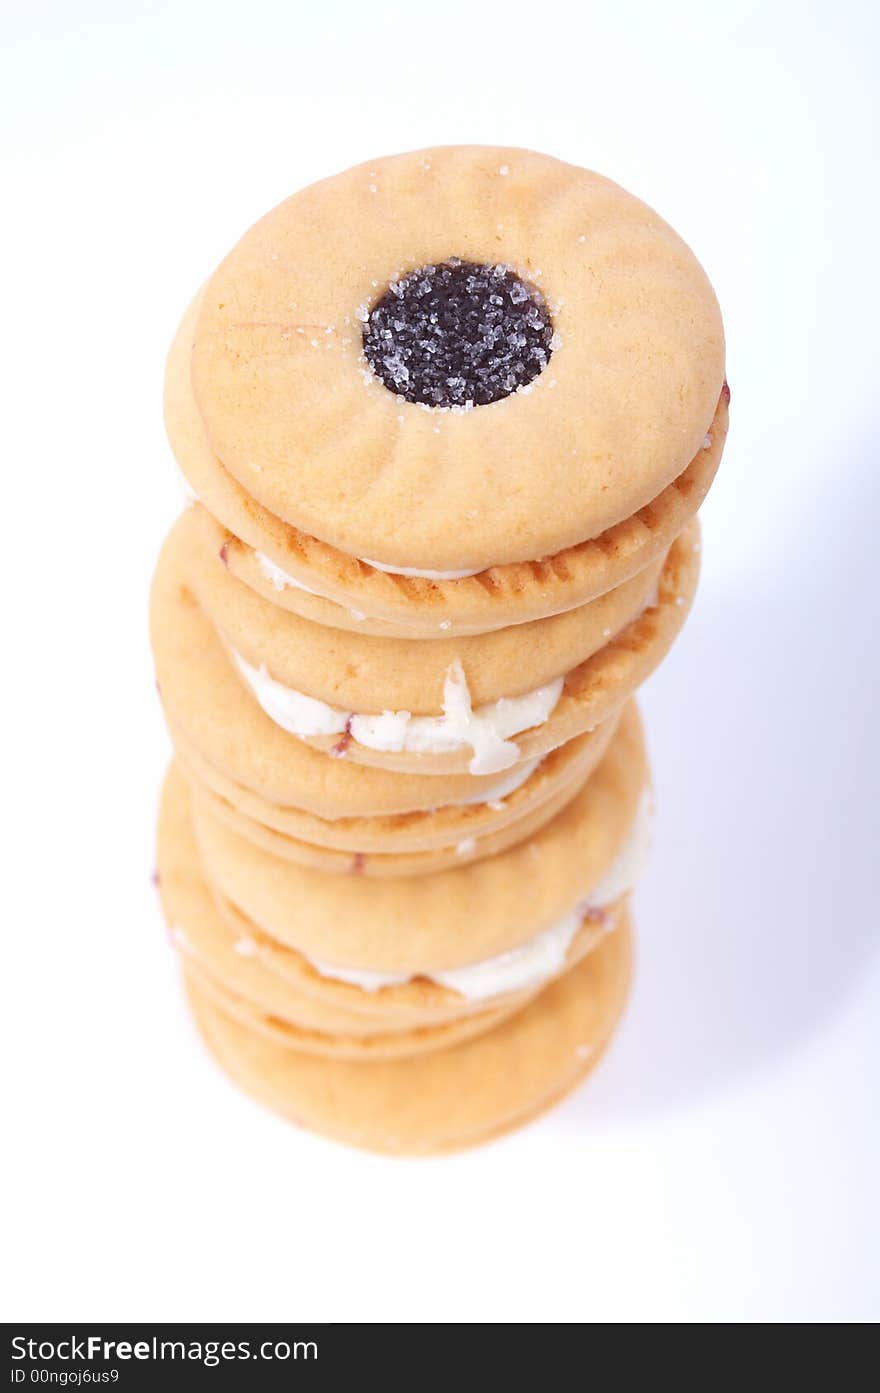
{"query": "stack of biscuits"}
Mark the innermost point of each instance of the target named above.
(445, 421)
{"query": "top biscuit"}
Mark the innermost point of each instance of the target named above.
(552, 367)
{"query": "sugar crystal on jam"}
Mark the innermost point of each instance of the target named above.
(458, 334)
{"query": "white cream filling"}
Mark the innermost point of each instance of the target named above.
(280, 580)
(526, 966)
(630, 862)
(414, 571)
(540, 957)
(293, 711)
(487, 730)
(504, 787)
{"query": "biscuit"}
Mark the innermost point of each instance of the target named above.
(361, 672)
(211, 712)
(232, 955)
(292, 1034)
(351, 594)
(450, 918)
(553, 780)
(381, 863)
(539, 722)
(447, 1099)
(412, 1002)
(499, 735)
(301, 419)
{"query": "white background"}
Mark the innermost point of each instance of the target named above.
(723, 1163)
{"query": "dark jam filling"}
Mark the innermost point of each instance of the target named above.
(458, 334)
